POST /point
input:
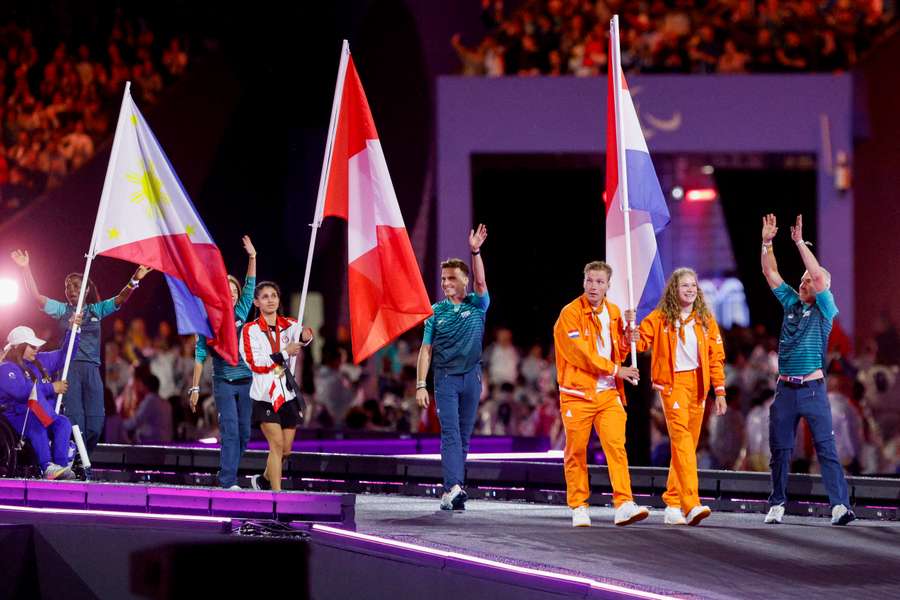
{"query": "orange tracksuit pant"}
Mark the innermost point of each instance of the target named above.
(605, 414)
(684, 417)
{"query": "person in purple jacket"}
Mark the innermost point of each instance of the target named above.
(28, 397)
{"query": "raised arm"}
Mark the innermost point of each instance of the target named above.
(820, 279)
(132, 285)
(251, 256)
(20, 257)
(769, 266)
(476, 239)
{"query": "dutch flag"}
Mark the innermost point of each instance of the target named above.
(649, 214)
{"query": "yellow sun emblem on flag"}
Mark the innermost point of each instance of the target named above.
(150, 189)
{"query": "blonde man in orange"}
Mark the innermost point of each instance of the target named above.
(590, 346)
(688, 356)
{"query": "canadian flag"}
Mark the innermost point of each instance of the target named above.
(387, 294)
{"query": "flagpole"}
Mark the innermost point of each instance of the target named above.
(615, 63)
(323, 179)
(104, 201)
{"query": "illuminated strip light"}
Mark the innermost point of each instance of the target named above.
(701, 195)
(112, 513)
(491, 563)
(552, 454)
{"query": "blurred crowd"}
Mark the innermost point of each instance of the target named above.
(59, 98)
(571, 37)
(147, 376)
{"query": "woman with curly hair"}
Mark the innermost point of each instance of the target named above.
(687, 356)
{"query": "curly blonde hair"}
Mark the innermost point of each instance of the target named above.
(668, 303)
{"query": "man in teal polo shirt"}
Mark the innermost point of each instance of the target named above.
(801, 389)
(83, 401)
(453, 340)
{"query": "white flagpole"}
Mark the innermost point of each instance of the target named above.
(323, 179)
(615, 63)
(104, 201)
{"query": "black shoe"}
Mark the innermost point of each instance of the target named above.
(459, 502)
(260, 483)
(841, 515)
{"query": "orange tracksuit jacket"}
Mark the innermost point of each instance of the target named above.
(575, 337)
(663, 337)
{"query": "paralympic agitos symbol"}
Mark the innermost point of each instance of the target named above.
(651, 124)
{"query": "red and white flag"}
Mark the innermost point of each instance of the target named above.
(387, 294)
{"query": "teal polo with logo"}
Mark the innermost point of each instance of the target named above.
(89, 345)
(456, 333)
(803, 343)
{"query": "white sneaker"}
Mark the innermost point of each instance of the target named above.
(455, 499)
(841, 515)
(674, 516)
(776, 514)
(581, 517)
(235, 487)
(54, 471)
(697, 514)
(629, 512)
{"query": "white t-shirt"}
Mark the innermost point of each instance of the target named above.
(686, 352)
(604, 382)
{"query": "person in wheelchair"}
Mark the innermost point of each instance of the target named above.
(28, 393)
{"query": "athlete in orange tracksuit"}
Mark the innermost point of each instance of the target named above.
(590, 346)
(687, 355)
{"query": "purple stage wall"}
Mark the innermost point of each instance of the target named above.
(680, 114)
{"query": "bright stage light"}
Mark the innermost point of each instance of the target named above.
(9, 291)
(701, 195)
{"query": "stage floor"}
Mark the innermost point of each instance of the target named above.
(731, 555)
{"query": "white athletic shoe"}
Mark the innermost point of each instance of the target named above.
(776, 514)
(674, 516)
(697, 514)
(841, 515)
(629, 512)
(581, 517)
(455, 499)
(55, 471)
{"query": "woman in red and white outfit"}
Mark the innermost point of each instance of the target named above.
(267, 345)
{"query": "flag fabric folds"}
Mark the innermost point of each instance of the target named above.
(649, 213)
(146, 217)
(387, 294)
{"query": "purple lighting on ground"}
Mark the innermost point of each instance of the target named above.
(111, 513)
(490, 563)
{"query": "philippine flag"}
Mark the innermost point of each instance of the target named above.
(649, 214)
(146, 217)
(387, 294)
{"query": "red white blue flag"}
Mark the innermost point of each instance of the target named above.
(146, 217)
(649, 214)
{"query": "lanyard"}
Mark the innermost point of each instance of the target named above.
(276, 343)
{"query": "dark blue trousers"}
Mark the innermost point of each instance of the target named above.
(810, 401)
(84, 401)
(234, 405)
(457, 399)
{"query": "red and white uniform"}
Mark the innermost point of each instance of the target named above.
(258, 342)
